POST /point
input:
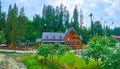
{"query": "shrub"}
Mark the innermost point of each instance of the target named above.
(112, 60)
(33, 63)
(97, 48)
(44, 50)
(72, 61)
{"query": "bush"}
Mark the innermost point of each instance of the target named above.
(72, 61)
(49, 49)
(44, 50)
(112, 60)
(97, 48)
(33, 63)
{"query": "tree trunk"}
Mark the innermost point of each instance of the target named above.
(97, 63)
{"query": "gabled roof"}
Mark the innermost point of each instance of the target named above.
(117, 37)
(52, 37)
(68, 30)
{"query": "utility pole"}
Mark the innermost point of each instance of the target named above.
(91, 16)
(92, 30)
(81, 17)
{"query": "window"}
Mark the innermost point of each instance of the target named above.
(75, 39)
(72, 33)
(68, 39)
(47, 37)
(53, 36)
(60, 37)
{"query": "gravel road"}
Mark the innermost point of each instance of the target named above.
(9, 61)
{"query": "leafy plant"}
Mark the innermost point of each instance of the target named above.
(72, 61)
(112, 60)
(44, 50)
(97, 48)
(113, 41)
(32, 63)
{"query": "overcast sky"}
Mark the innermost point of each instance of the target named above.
(107, 10)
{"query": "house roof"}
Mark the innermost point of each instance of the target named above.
(68, 30)
(117, 37)
(52, 37)
(3, 45)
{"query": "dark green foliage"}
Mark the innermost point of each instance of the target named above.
(18, 28)
(12, 26)
(21, 25)
(49, 49)
(39, 25)
(2, 18)
(106, 31)
(85, 33)
(60, 49)
(2, 37)
(55, 19)
(8, 25)
(30, 34)
(15, 26)
(44, 50)
(96, 28)
(113, 41)
(115, 31)
(75, 23)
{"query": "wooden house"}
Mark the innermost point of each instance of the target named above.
(70, 38)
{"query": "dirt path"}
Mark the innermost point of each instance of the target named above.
(9, 61)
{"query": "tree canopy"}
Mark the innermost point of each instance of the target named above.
(18, 28)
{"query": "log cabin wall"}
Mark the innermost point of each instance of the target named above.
(70, 38)
(73, 40)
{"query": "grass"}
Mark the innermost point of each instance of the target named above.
(71, 61)
(68, 60)
(33, 63)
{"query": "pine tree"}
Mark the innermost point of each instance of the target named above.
(97, 28)
(75, 23)
(61, 18)
(67, 19)
(38, 24)
(15, 27)
(21, 25)
(12, 26)
(43, 12)
(2, 18)
(8, 25)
